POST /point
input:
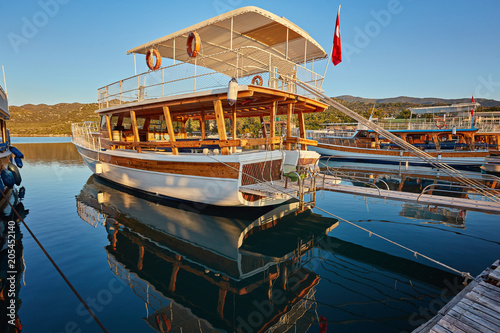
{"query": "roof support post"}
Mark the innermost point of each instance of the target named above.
(263, 127)
(202, 125)
(108, 128)
(286, 52)
(302, 129)
(233, 134)
(289, 112)
(170, 129)
(221, 126)
(133, 123)
(272, 123)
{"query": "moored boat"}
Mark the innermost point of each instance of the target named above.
(459, 147)
(238, 65)
(10, 157)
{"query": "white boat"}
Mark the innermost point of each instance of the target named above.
(459, 147)
(142, 140)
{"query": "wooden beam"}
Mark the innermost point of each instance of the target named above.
(263, 127)
(272, 120)
(221, 125)
(133, 122)
(170, 128)
(108, 127)
(289, 114)
(302, 129)
(202, 125)
(234, 119)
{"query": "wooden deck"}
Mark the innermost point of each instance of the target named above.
(475, 309)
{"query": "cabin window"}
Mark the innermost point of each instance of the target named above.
(114, 121)
(140, 123)
(103, 123)
(126, 123)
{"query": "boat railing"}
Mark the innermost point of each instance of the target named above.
(202, 74)
(457, 189)
(86, 134)
(484, 124)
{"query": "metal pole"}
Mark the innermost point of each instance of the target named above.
(4, 81)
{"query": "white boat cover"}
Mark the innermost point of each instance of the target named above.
(243, 27)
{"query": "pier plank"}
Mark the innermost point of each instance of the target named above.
(454, 325)
(483, 308)
(485, 318)
(472, 320)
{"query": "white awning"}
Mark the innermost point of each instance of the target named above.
(243, 27)
(4, 105)
(455, 108)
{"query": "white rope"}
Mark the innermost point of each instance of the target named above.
(466, 275)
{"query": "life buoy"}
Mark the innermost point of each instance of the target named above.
(257, 80)
(149, 59)
(15, 172)
(193, 50)
(163, 322)
(441, 124)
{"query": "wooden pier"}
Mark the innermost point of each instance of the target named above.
(282, 189)
(475, 309)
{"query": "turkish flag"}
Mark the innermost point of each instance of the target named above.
(337, 50)
(473, 100)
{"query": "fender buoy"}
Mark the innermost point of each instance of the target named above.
(163, 322)
(15, 172)
(149, 59)
(21, 193)
(2, 186)
(19, 162)
(257, 80)
(193, 50)
(16, 152)
(7, 178)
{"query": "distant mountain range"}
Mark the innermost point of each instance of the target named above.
(415, 100)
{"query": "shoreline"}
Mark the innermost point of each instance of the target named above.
(39, 135)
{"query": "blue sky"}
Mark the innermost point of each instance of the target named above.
(420, 48)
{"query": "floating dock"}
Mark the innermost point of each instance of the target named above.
(283, 189)
(475, 309)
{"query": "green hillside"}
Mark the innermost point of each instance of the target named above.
(45, 119)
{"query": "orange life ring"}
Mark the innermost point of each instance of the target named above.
(149, 59)
(441, 124)
(257, 80)
(193, 50)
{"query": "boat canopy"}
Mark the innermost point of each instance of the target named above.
(244, 27)
(4, 105)
(454, 108)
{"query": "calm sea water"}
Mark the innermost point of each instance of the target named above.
(142, 264)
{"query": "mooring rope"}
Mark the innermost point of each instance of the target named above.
(56, 266)
(466, 275)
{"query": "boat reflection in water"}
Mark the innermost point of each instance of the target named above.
(209, 269)
(11, 263)
(451, 217)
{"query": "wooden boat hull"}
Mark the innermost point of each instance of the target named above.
(207, 179)
(457, 159)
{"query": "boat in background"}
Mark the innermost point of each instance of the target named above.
(460, 147)
(10, 157)
(246, 68)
